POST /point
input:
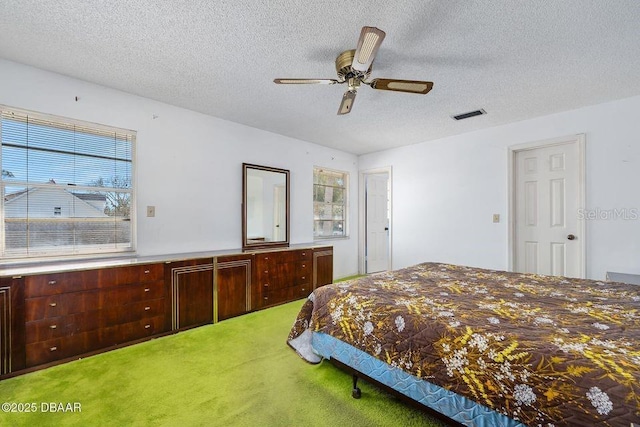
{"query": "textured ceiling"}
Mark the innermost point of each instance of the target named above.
(515, 59)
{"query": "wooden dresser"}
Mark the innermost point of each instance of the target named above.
(48, 317)
(283, 276)
(78, 312)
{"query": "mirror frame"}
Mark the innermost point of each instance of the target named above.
(246, 245)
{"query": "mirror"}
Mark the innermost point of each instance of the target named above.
(265, 206)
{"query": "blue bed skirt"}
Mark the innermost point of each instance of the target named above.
(450, 404)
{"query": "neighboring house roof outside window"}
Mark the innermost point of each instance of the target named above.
(96, 200)
(91, 196)
(40, 203)
(12, 196)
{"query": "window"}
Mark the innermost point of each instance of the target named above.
(329, 203)
(66, 185)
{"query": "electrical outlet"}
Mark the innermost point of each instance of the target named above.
(151, 211)
(496, 217)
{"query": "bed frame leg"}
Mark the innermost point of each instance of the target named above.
(356, 393)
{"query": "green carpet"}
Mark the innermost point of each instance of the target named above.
(239, 372)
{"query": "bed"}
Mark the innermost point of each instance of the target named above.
(485, 347)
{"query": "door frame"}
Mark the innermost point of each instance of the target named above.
(579, 140)
(362, 219)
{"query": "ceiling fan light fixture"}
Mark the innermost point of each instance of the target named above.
(353, 67)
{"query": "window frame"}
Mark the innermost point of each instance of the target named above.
(78, 252)
(345, 204)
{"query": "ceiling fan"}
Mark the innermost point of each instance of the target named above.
(354, 67)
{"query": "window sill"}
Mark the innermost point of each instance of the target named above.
(324, 239)
(80, 258)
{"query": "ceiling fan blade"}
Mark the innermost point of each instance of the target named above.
(347, 102)
(408, 86)
(305, 81)
(368, 44)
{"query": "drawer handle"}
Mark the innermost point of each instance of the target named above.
(147, 271)
(52, 282)
(147, 289)
(147, 308)
(53, 326)
(266, 258)
(304, 265)
(53, 304)
(302, 289)
(147, 326)
(266, 297)
(303, 277)
(53, 349)
(266, 285)
(266, 271)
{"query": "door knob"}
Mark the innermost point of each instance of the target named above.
(571, 237)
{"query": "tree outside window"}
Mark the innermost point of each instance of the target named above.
(329, 203)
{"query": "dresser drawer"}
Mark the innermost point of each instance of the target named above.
(57, 283)
(301, 291)
(60, 348)
(47, 351)
(134, 330)
(119, 276)
(133, 312)
(64, 326)
(124, 295)
(275, 296)
(134, 293)
(62, 305)
(266, 259)
(283, 256)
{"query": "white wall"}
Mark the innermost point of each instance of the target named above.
(188, 164)
(445, 191)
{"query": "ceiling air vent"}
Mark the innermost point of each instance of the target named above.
(469, 114)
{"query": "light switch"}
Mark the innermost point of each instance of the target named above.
(496, 217)
(151, 211)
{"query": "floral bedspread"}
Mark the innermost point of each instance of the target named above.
(540, 349)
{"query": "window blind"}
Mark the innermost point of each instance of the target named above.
(67, 186)
(329, 203)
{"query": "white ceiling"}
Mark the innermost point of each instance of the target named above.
(515, 59)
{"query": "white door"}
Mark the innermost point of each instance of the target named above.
(377, 222)
(279, 213)
(548, 236)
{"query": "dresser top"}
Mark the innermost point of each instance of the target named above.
(27, 269)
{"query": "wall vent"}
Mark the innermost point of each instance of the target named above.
(469, 114)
